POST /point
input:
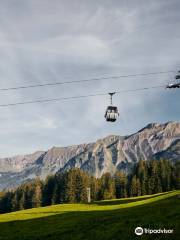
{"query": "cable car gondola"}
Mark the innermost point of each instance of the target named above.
(111, 113)
(173, 85)
(176, 84)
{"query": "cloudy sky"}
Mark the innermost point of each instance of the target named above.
(44, 41)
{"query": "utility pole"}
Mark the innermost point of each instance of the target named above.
(89, 194)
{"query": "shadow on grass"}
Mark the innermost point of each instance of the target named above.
(98, 225)
(126, 200)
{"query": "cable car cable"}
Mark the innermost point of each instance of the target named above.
(76, 97)
(84, 80)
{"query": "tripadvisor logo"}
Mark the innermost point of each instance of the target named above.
(139, 231)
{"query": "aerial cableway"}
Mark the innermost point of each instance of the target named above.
(175, 84)
(111, 113)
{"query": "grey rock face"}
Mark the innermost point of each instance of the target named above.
(155, 141)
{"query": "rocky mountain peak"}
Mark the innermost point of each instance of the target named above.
(109, 154)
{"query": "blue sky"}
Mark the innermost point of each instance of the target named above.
(53, 40)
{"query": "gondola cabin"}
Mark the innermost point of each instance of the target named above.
(111, 114)
(173, 85)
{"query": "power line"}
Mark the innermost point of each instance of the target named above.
(77, 97)
(84, 80)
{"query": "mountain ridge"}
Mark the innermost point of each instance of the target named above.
(108, 154)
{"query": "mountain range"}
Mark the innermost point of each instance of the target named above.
(112, 153)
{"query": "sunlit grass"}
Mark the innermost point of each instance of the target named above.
(99, 220)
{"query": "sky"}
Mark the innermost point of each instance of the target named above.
(46, 41)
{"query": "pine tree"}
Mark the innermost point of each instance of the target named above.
(107, 186)
(120, 184)
(94, 186)
(81, 187)
(6, 202)
(133, 186)
(37, 193)
(21, 200)
(162, 170)
(84, 185)
(70, 188)
(138, 187)
(153, 176)
(141, 173)
(48, 191)
(176, 170)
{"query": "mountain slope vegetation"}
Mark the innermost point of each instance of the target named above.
(147, 177)
(101, 220)
(109, 154)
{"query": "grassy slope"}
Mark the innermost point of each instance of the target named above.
(106, 220)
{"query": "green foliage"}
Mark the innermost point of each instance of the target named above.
(148, 177)
(107, 189)
(120, 184)
(37, 193)
(48, 190)
(102, 220)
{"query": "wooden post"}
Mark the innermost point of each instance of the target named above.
(89, 194)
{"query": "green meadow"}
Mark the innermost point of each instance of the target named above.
(102, 220)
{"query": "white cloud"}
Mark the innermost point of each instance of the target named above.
(67, 40)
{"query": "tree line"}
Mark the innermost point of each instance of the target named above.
(147, 177)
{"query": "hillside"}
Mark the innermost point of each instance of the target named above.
(155, 141)
(106, 220)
